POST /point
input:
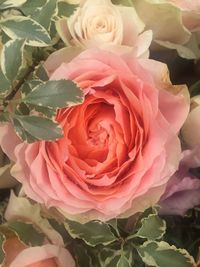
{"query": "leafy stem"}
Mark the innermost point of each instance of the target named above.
(18, 86)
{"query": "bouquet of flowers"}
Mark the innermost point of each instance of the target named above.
(99, 133)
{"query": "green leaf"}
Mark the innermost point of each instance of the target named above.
(93, 233)
(28, 87)
(82, 256)
(22, 133)
(47, 112)
(65, 9)
(4, 84)
(123, 262)
(11, 3)
(114, 225)
(26, 28)
(41, 73)
(27, 233)
(161, 254)
(47, 12)
(31, 7)
(22, 109)
(153, 227)
(55, 94)
(12, 58)
(38, 127)
(113, 260)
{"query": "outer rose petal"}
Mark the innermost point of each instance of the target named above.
(159, 15)
(46, 256)
(183, 189)
(120, 146)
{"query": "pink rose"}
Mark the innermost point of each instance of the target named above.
(120, 147)
(17, 254)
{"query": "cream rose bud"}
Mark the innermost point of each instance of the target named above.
(191, 128)
(99, 23)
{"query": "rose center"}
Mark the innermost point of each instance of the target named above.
(98, 136)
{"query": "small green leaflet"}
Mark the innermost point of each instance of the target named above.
(153, 227)
(161, 254)
(12, 58)
(37, 127)
(93, 233)
(55, 94)
(123, 262)
(26, 28)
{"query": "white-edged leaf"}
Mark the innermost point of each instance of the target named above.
(31, 7)
(55, 94)
(11, 3)
(152, 228)
(47, 12)
(26, 28)
(38, 127)
(12, 58)
(65, 9)
(93, 233)
(4, 84)
(161, 254)
(20, 207)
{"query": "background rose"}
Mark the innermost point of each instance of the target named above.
(183, 189)
(17, 254)
(191, 128)
(175, 24)
(120, 146)
(99, 23)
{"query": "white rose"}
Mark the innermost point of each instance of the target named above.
(99, 23)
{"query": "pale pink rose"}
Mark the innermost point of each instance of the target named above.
(17, 254)
(190, 13)
(99, 23)
(183, 189)
(120, 146)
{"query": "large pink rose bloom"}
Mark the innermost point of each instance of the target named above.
(120, 146)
